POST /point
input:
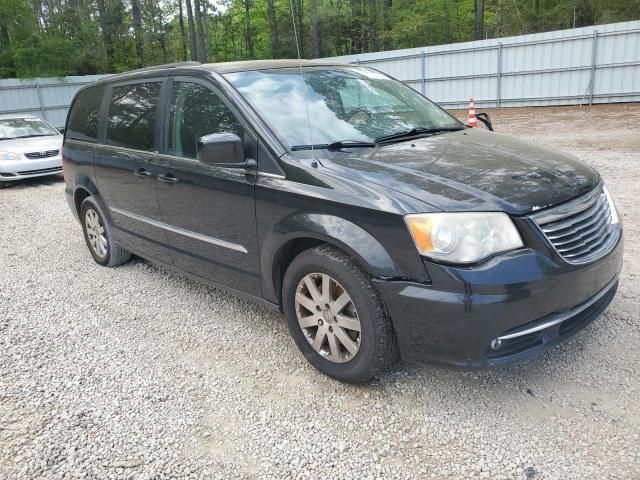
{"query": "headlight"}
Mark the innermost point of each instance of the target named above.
(11, 156)
(612, 206)
(462, 237)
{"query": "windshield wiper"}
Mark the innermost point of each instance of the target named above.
(335, 145)
(415, 132)
(38, 135)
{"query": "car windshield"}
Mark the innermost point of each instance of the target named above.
(344, 103)
(11, 128)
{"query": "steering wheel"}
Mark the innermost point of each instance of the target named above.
(359, 116)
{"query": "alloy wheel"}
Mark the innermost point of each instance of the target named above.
(328, 317)
(95, 233)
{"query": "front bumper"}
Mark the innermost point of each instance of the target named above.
(19, 169)
(529, 300)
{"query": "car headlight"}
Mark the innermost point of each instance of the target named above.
(10, 156)
(462, 237)
(612, 206)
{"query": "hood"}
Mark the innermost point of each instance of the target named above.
(33, 144)
(470, 170)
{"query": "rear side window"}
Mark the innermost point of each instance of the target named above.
(196, 111)
(83, 117)
(132, 115)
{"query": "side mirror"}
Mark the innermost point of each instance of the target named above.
(223, 149)
(61, 130)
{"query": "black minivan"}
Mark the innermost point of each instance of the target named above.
(381, 225)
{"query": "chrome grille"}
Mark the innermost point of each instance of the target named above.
(44, 154)
(581, 230)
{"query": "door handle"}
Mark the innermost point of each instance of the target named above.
(168, 178)
(142, 173)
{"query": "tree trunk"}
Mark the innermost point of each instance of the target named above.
(299, 9)
(356, 26)
(479, 4)
(248, 34)
(315, 27)
(202, 47)
(183, 34)
(387, 42)
(273, 29)
(107, 37)
(192, 31)
(137, 31)
(374, 30)
(365, 26)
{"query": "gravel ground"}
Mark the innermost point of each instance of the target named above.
(136, 372)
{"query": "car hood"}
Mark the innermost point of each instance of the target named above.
(470, 170)
(33, 144)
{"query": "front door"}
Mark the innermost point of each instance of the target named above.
(209, 209)
(126, 167)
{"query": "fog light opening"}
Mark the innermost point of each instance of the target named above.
(496, 343)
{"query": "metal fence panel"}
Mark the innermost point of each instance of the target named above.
(48, 98)
(598, 64)
(585, 65)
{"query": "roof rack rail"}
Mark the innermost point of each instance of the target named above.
(166, 65)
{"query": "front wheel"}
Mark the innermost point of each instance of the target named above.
(336, 316)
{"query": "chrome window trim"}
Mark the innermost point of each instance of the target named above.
(182, 231)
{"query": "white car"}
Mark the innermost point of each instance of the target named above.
(29, 147)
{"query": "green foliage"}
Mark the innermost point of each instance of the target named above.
(77, 37)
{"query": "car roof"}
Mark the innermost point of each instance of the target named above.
(221, 68)
(12, 116)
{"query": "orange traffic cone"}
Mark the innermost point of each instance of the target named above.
(473, 121)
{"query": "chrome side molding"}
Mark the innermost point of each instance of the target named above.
(181, 231)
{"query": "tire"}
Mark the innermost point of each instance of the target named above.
(99, 237)
(377, 348)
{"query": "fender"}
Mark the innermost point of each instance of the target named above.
(83, 182)
(345, 235)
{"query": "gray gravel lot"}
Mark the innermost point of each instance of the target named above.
(136, 372)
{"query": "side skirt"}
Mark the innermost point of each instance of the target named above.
(206, 281)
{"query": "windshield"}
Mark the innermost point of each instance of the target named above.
(24, 127)
(345, 103)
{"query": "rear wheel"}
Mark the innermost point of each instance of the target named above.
(336, 316)
(98, 235)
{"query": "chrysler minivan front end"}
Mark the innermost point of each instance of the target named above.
(560, 274)
(521, 244)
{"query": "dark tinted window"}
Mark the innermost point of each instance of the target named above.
(195, 112)
(132, 116)
(83, 117)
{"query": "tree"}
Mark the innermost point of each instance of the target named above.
(356, 26)
(387, 43)
(479, 4)
(315, 27)
(273, 29)
(107, 36)
(183, 35)
(200, 35)
(248, 33)
(192, 32)
(138, 32)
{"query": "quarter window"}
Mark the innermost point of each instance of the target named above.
(83, 117)
(196, 111)
(132, 116)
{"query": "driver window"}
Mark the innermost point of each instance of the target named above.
(196, 111)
